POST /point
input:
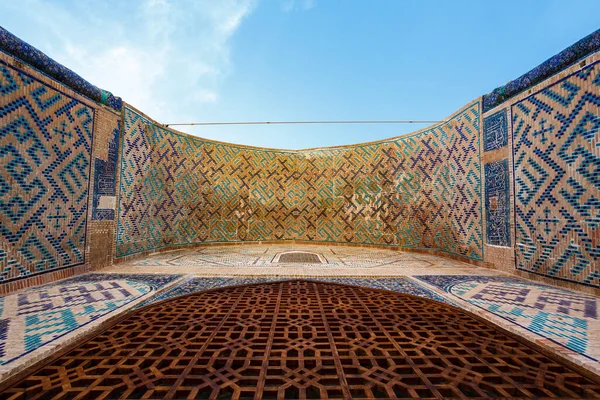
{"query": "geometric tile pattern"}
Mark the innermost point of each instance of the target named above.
(399, 285)
(497, 204)
(557, 179)
(39, 316)
(154, 281)
(303, 340)
(562, 316)
(416, 191)
(161, 188)
(45, 158)
(105, 179)
(495, 131)
(255, 256)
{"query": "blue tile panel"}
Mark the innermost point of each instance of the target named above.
(556, 156)
(497, 203)
(557, 63)
(105, 178)
(45, 161)
(16, 47)
(565, 317)
(495, 131)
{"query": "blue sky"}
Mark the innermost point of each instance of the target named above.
(239, 60)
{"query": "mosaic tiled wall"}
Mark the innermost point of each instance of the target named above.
(59, 162)
(418, 191)
(556, 150)
(46, 152)
(46, 155)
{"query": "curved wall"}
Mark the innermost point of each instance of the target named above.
(515, 186)
(419, 191)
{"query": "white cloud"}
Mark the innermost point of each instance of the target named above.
(294, 5)
(155, 54)
(205, 96)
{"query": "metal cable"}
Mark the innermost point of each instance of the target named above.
(311, 122)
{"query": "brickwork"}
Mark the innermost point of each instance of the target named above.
(49, 136)
(556, 166)
(420, 191)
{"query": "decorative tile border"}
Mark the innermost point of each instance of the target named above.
(497, 203)
(154, 281)
(495, 131)
(29, 54)
(34, 319)
(553, 65)
(105, 178)
(266, 255)
(400, 285)
(567, 318)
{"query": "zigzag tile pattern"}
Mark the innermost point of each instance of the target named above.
(557, 179)
(567, 318)
(45, 153)
(417, 191)
(38, 317)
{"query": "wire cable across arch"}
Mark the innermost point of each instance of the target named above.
(391, 121)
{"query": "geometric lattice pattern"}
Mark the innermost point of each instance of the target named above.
(497, 205)
(557, 179)
(562, 316)
(45, 153)
(300, 257)
(495, 131)
(301, 340)
(416, 191)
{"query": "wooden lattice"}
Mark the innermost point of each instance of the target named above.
(300, 257)
(300, 339)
